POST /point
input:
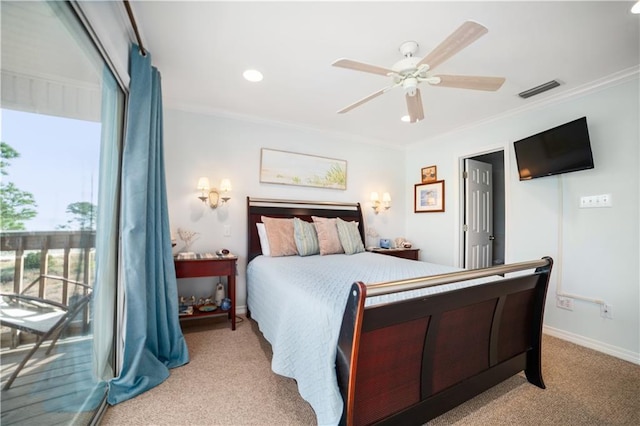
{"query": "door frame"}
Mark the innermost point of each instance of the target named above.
(460, 205)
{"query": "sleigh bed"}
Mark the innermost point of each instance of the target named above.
(374, 339)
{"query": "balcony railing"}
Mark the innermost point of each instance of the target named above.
(34, 255)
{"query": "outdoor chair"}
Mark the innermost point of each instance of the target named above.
(42, 317)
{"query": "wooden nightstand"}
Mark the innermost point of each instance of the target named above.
(211, 267)
(405, 253)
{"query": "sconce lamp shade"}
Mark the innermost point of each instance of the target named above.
(225, 190)
(375, 197)
(386, 198)
(203, 184)
(225, 185)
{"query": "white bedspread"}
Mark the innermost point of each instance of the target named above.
(298, 303)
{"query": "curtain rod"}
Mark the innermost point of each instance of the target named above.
(135, 26)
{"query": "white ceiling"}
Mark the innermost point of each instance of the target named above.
(202, 48)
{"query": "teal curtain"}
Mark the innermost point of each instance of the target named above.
(153, 341)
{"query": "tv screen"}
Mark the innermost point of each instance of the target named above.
(562, 149)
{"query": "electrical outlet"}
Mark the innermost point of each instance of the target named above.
(564, 303)
(606, 311)
(227, 231)
(595, 201)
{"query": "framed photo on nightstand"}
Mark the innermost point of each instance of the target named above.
(429, 197)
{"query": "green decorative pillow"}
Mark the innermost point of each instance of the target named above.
(349, 236)
(306, 237)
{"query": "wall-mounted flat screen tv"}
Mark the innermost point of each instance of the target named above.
(562, 149)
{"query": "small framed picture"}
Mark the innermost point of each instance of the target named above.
(429, 174)
(429, 197)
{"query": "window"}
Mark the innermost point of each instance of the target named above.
(62, 120)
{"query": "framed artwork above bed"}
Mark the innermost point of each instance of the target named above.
(290, 168)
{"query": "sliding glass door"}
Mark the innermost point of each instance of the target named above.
(61, 131)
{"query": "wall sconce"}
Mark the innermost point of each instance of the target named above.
(376, 204)
(212, 195)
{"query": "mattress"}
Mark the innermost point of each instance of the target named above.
(298, 303)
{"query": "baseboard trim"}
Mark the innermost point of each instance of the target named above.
(633, 357)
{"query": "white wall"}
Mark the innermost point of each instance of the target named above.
(596, 250)
(218, 147)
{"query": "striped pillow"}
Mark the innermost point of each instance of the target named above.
(349, 236)
(306, 237)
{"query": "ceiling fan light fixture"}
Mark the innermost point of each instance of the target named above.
(253, 76)
(410, 84)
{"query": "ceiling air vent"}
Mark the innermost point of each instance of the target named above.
(539, 89)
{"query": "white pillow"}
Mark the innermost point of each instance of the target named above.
(264, 241)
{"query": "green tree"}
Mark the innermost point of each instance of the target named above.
(84, 216)
(6, 153)
(16, 206)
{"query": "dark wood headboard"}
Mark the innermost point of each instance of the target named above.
(257, 207)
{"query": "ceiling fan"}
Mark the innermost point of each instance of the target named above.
(411, 71)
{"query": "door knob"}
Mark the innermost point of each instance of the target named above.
(491, 238)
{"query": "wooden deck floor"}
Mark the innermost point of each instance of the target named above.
(52, 390)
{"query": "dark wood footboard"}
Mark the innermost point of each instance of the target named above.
(409, 361)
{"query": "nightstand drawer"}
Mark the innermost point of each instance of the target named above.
(405, 253)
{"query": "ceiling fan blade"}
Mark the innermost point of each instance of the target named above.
(466, 34)
(361, 66)
(414, 106)
(490, 84)
(365, 99)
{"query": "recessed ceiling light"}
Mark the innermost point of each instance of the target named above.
(252, 75)
(405, 118)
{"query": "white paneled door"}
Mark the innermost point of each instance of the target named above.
(478, 214)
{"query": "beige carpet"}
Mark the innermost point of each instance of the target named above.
(229, 382)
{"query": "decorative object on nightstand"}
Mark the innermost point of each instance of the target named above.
(226, 304)
(219, 293)
(385, 243)
(188, 238)
(222, 252)
(400, 242)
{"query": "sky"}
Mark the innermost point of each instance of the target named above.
(58, 162)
